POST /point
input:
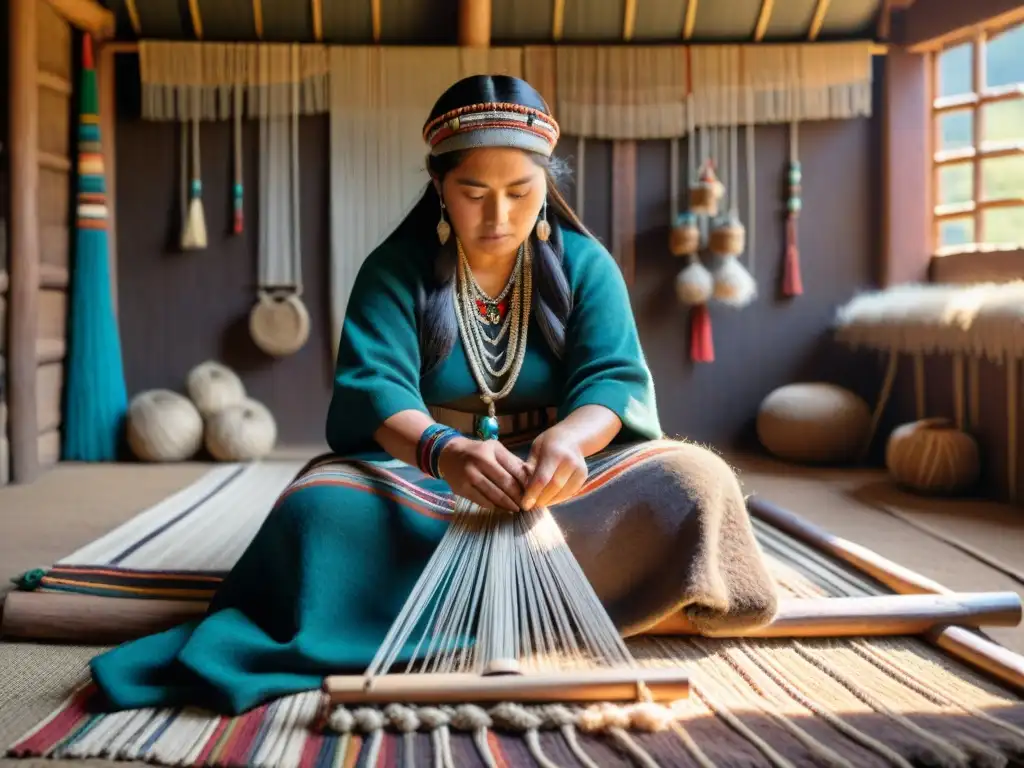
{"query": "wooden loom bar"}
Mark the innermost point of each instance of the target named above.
(86, 15)
(968, 647)
(94, 619)
(664, 684)
(23, 296)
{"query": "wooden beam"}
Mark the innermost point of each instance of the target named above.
(88, 16)
(317, 9)
(818, 20)
(557, 20)
(475, 23)
(55, 83)
(375, 19)
(106, 87)
(133, 16)
(690, 21)
(883, 27)
(197, 18)
(23, 291)
(629, 20)
(934, 25)
(257, 18)
(761, 28)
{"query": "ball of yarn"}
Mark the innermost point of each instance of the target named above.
(813, 423)
(164, 426)
(241, 432)
(213, 387)
(933, 456)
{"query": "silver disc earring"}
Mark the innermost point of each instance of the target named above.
(444, 229)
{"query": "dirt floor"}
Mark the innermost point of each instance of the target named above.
(967, 545)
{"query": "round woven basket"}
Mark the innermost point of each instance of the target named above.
(279, 325)
(684, 239)
(727, 239)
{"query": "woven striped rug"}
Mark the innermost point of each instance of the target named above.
(181, 547)
(836, 702)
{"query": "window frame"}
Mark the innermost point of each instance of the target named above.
(973, 103)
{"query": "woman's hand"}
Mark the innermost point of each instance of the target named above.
(485, 472)
(557, 468)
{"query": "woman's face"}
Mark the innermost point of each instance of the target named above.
(493, 198)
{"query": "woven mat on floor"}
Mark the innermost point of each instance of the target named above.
(841, 702)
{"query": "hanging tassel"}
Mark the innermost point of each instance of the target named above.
(702, 344)
(236, 192)
(95, 393)
(792, 284)
(194, 235)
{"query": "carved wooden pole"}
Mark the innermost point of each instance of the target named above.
(475, 23)
(23, 296)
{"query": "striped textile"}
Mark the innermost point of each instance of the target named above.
(181, 547)
(852, 702)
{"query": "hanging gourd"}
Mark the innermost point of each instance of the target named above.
(705, 194)
(684, 237)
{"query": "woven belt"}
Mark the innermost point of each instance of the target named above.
(509, 425)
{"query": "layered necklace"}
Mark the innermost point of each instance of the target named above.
(485, 322)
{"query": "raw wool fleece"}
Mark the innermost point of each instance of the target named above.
(984, 320)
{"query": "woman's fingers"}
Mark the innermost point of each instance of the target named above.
(571, 487)
(514, 466)
(492, 492)
(562, 474)
(504, 481)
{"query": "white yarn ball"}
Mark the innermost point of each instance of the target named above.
(241, 432)
(213, 387)
(164, 426)
(694, 283)
(933, 456)
(814, 423)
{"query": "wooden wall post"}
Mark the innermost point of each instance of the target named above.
(23, 293)
(475, 23)
(907, 149)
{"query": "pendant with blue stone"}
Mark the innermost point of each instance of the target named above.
(487, 426)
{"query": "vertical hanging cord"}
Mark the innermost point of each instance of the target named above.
(673, 181)
(295, 278)
(581, 148)
(237, 195)
(751, 182)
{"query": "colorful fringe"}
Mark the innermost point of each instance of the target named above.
(96, 397)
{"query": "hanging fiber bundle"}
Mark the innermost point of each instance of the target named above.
(96, 398)
(193, 234)
(792, 284)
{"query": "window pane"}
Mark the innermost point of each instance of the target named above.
(1004, 63)
(1002, 177)
(1004, 120)
(956, 232)
(1004, 226)
(956, 184)
(956, 70)
(956, 130)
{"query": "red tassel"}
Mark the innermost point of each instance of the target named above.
(702, 344)
(792, 284)
(239, 223)
(87, 51)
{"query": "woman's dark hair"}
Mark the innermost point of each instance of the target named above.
(552, 298)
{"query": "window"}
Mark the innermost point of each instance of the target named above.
(978, 116)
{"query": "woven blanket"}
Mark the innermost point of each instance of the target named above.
(850, 702)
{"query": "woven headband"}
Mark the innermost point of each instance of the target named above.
(492, 125)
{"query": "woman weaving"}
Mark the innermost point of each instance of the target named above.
(490, 312)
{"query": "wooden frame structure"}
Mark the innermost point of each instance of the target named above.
(974, 103)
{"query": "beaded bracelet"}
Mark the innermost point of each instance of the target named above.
(432, 442)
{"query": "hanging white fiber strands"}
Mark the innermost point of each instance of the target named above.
(279, 322)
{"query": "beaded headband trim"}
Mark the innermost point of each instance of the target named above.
(492, 125)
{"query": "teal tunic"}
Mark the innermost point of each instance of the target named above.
(332, 565)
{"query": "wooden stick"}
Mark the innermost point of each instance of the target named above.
(23, 261)
(962, 644)
(475, 23)
(94, 619)
(882, 615)
(623, 685)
